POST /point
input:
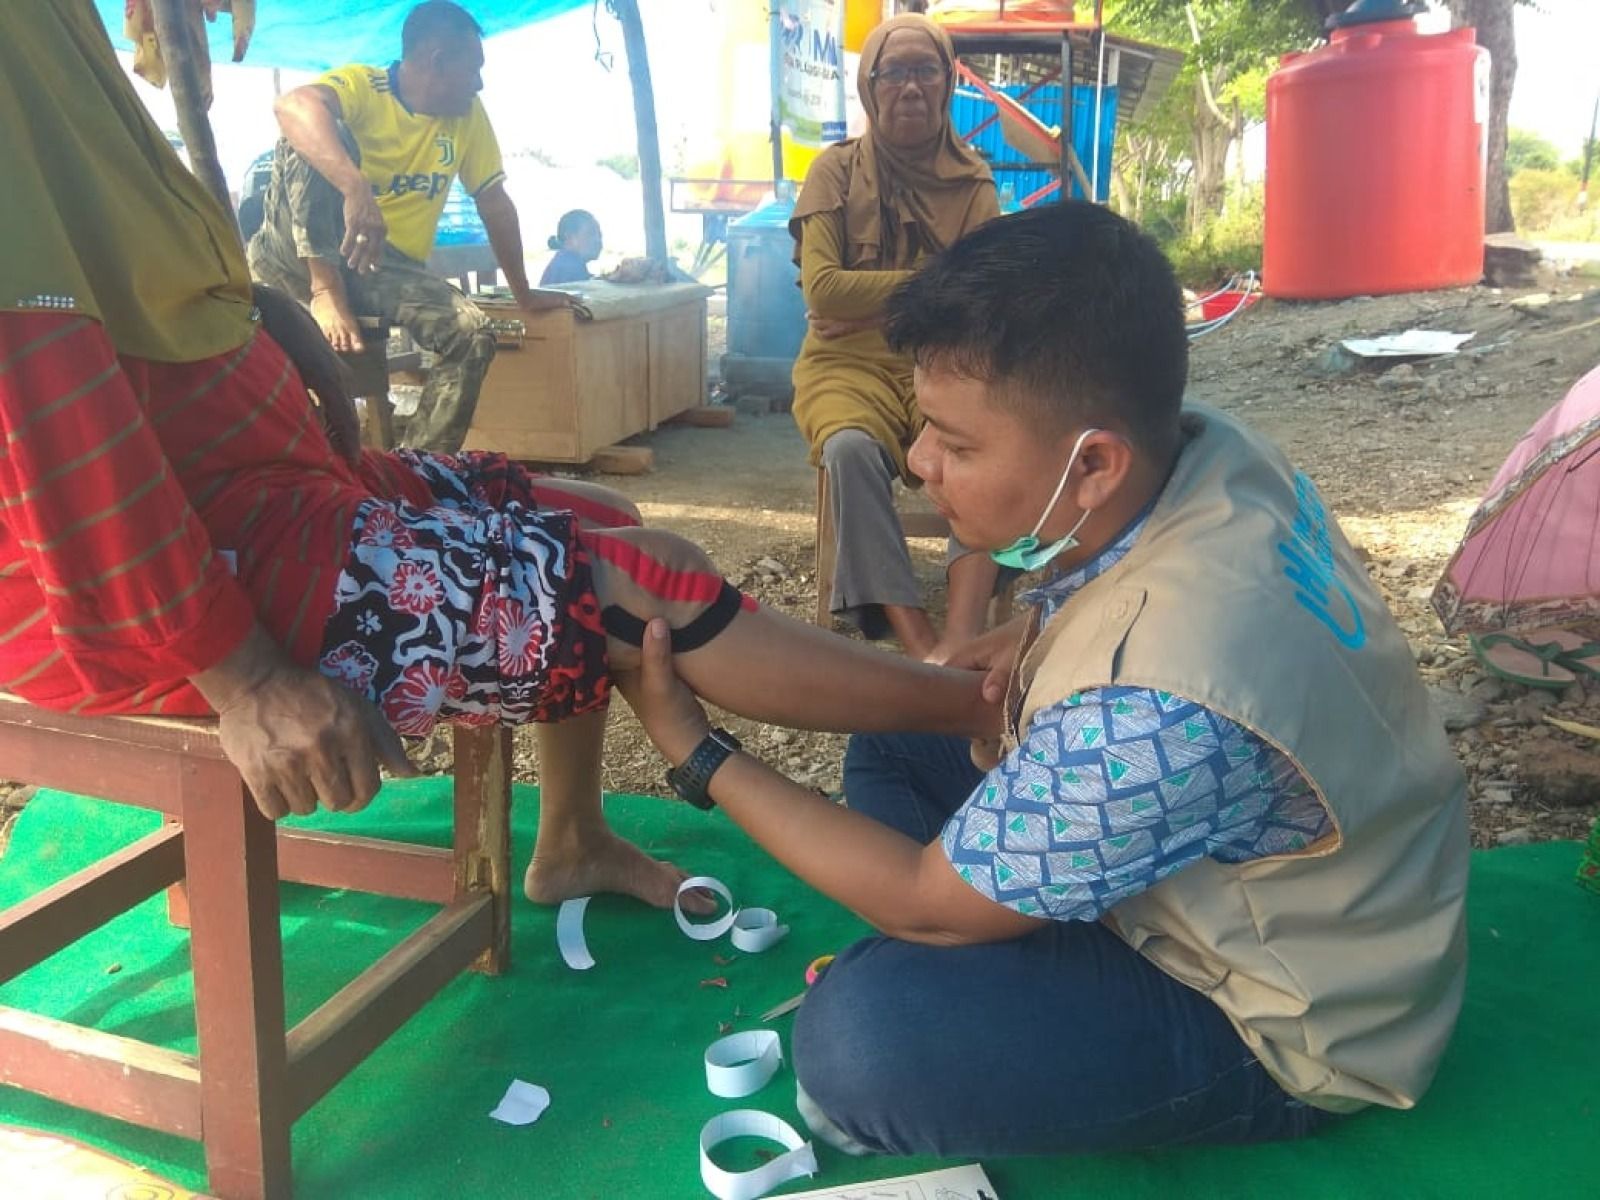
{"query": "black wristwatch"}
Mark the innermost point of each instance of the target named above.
(691, 779)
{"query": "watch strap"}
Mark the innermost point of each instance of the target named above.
(691, 779)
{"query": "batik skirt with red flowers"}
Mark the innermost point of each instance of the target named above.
(466, 611)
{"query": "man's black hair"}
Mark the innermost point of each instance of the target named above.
(435, 21)
(1069, 313)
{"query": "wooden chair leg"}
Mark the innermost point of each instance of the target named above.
(483, 830)
(827, 551)
(177, 894)
(236, 948)
(377, 423)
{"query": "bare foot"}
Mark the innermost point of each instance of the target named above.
(608, 863)
(338, 323)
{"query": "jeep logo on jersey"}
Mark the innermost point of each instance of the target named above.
(447, 150)
(400, 185)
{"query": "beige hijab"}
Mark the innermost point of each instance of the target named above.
(898, 206)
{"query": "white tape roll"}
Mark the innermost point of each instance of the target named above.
(569, 934)
(742, 1063)
(801, 1158)
(757, 929)
(708, 930)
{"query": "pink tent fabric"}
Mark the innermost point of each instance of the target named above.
(1530, 558)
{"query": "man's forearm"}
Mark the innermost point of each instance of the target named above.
(311, 128)
(864, 865)
(505, 237)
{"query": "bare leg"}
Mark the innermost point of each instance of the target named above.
(770, 668)
(913, 629)
(576, 853)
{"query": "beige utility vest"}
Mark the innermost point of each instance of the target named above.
(1342, 964)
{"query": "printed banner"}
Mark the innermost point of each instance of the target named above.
(811, 88)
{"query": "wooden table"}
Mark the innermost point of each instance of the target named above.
(618, 361)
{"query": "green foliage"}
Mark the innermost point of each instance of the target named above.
(1526, 150)
(1540, 197)
(1225, 246)
(1235, 35)
(626, 165)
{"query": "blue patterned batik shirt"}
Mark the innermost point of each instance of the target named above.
(1115, 788)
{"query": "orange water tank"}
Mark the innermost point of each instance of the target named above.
(1375, 160)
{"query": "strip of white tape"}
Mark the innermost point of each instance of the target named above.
(757, 929)
(569, 934)
(742, 1063)
(707, 930)
(800, 1159)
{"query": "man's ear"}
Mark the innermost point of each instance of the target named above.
(1107, 460)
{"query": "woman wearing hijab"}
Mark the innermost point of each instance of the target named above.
(871, 210)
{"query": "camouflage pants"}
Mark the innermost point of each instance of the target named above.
(304, 218)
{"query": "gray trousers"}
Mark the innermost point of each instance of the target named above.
(303, 217)
(873, 566)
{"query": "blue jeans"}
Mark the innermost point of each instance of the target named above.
(1063, 1041)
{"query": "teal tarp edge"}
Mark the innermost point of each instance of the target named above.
(315, 35)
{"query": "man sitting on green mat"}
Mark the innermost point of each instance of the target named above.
(1213, 888)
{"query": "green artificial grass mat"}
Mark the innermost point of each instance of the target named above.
(1514, 1111)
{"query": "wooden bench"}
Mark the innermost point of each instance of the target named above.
(221, 862)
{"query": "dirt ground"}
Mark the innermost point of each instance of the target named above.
(1402, 455)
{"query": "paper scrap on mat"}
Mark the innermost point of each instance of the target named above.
(1413, 343)
(523, 1103)
(757, 929)
(742, 1063)
(953, 1183)
(705, 931)
(569, 934)
(800, 1157)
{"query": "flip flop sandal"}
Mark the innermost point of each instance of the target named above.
(1578, 654)
(1532, 665)
(1583, 659)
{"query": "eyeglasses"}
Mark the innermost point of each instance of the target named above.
(924, 73)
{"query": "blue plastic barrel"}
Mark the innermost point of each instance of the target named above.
(766, 312)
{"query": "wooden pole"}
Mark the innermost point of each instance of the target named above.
(177, 48)
(644, 117)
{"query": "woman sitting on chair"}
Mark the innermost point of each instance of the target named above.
(871, 209)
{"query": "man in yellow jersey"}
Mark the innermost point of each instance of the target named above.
(359, 179)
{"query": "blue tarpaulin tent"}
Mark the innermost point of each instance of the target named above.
(315, 35)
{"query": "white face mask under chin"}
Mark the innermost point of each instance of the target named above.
(1026, 554)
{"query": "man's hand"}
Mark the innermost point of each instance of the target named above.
(664, 704)
(296, 737)
(538, 300)
(828, 328)
(364, 229)
(995, 654)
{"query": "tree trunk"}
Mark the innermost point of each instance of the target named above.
(644, 118)
(1497, 34)
(183, 72)
(1208, 149)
